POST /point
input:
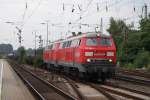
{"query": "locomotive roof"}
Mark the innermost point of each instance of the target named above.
(87, 35)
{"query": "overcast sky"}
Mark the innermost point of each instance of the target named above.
(28, 14)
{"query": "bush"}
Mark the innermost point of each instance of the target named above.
(130, 66)
(29, 60)
(21, 53)
(38, 62)
(142, 59)
(148, 67)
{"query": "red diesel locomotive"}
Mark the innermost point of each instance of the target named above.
(89, 55)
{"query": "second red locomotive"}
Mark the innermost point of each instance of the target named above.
(90, 55)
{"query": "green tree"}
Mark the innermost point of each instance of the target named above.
(145, 28)
(21, 53)
(6, 49)
(142, 59)
(118, 29)
(132, 45)
(38, 59)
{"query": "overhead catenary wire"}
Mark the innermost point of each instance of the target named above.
(126, 19)
(26, 7)
(87, 15)
(110, 5)
(83, 16)
(35, 9)
(32, 13)
(20, 28)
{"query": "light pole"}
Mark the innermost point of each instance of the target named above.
(35, 42)
(47, 31)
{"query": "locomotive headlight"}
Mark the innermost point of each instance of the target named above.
(110, 53)
(110, 60)
(88, 53)
(88, 60)
(98, 35)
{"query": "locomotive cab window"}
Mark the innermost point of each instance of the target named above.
(75, 43)
(98, 42)
(50, 47)
(64, 44)
(91, 42)
(68, 43)
(105, 42)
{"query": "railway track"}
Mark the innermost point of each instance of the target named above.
(101, 91)
(107, 90)
(75, 87)
(40, 88)
(110, 91)
(134, 72)
(127, 89)
(73, 83)
(113, 92)
(104, 92)
(132, 79)
(123, 92)
(128, 93)
(107, 95)
(79, 95)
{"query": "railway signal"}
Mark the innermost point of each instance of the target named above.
(19, 35)
(40, 42)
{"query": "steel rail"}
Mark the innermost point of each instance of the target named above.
(134, 72)
(104, 92)
(59, 91)
(133, 80)
(73, 84)
(128, 89)
(34, 91)
(120, 93)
